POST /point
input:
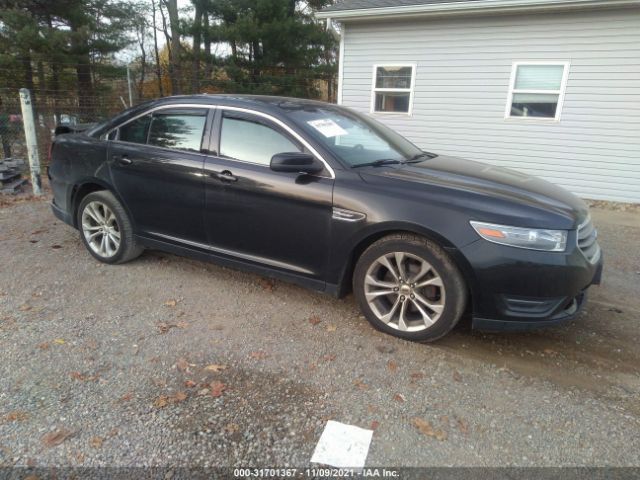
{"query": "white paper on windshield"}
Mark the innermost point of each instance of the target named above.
(328, 127)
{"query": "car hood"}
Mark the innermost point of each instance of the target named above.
(496, 193)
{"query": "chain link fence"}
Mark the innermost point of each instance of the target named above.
(14, 152)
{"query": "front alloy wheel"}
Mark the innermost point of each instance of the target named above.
(404, 291)
(408, 286)
(100, 229)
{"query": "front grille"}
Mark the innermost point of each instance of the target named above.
(587, 241)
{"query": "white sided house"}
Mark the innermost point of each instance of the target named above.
(546, 87)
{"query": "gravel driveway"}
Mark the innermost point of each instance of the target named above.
(170, 361)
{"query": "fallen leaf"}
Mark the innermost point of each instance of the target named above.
(456, 376)
(161, 402)
(59, 341)
(214, 368)
(204, 391)
(55, 438)
(25, 307)
(164, 327)
(258, 355)
(96, 442)
(231, 428)
(77, 376)
(463, 426)
(179, 397)
(182, 324)
(360, 384)
(183, 366)
(375, 424)
(43, 345)
(415, 376)
(426, 428)
(314, 320)
(398, 397)
(331, 328)
(392, 366)
(190, 383)
(171, 303)
(126, 397)
(16, 416)
(217, 388)
(329, 357)
(267, 284)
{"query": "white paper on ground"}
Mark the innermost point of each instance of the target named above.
(342, 445)
(328, 127)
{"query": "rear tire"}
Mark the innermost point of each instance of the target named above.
(408, 286)
(105, 228)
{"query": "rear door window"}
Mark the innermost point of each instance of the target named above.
(178, 129)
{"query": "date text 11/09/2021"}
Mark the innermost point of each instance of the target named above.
(315, 473)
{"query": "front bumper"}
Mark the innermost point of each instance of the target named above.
(517, 289)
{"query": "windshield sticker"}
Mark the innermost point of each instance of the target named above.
(328, 127)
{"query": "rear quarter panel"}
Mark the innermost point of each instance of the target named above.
(76, 159)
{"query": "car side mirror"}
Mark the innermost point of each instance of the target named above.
(295, 162)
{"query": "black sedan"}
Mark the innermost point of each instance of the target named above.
(328, 198)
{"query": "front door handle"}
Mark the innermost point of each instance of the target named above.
(225, 176)
(122, 159)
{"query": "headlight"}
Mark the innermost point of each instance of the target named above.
(531, 238)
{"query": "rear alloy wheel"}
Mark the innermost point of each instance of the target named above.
(105, 228)
(407, 286)
(100, 229)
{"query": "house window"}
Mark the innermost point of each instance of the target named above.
(537, 90)
(393, 88)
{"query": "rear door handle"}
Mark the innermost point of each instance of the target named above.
(122, 159)
(225, 176)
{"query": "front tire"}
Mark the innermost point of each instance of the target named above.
(408, 286)
(105, 228)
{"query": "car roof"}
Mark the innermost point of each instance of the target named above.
(274, 105)
(260, 102)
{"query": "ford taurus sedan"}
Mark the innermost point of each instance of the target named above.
(331, 199)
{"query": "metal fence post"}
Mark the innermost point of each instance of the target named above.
(31, 138)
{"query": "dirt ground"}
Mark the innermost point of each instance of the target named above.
(168, 361)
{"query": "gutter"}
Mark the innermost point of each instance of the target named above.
(488, 7)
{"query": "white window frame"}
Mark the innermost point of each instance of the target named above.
(560, 93)
(410, 90)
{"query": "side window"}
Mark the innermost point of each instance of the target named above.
(182, 131)
(537, 90)
(252, 141)
(393, 88)
(135, 131)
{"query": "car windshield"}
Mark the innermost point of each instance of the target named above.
(354, 138)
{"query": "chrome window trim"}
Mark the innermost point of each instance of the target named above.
(290, 130)
(105, 135)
